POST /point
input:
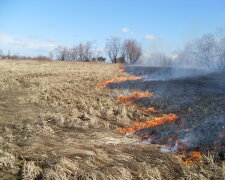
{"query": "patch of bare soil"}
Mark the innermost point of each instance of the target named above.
(56, 123)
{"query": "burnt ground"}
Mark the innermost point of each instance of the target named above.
(197, 96)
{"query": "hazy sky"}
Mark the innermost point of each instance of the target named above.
(33, 27)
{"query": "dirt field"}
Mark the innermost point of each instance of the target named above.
(57, 124)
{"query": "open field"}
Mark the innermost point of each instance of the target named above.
(56, 123)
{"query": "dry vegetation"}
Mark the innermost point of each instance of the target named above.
(55, 123)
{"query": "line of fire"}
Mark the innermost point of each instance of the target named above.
(187, 108)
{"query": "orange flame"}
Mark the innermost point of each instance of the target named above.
(137, 126)
(128, 99)
(117, 80)
(122, 69)
(150, 109)
(194, 156)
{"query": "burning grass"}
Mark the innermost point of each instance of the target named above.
(193, 156)
(55, 123)
(159, 121)
(118, 80)
(128, 99)
(135, 95)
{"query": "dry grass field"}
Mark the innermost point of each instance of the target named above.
(57, 124)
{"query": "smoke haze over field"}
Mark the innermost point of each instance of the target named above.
(206, 52)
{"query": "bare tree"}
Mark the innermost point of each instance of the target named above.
(80, 49)
(88, 52)
(221, 54)
(132, 50)
(73, 53)
(205, 51)
(113, 48)
(82, 52)
(85, 52)
(61, 53)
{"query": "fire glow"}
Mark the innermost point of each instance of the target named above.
(137, 126)
(193, 156)
(128, 99)
(150, 109)
(117, 80)
(135, 95)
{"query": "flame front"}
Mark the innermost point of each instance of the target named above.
(150, 109)
(137, 126)
(171, 144)
(128, 99)
(118, 79)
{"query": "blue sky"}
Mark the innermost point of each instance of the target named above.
(34, 27)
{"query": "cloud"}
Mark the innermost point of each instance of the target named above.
(30, 45)
(150, 37)
(126, 30)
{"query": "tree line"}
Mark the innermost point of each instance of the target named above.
(118, 51)
(10, 56)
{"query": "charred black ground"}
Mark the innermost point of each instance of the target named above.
(197, 96)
